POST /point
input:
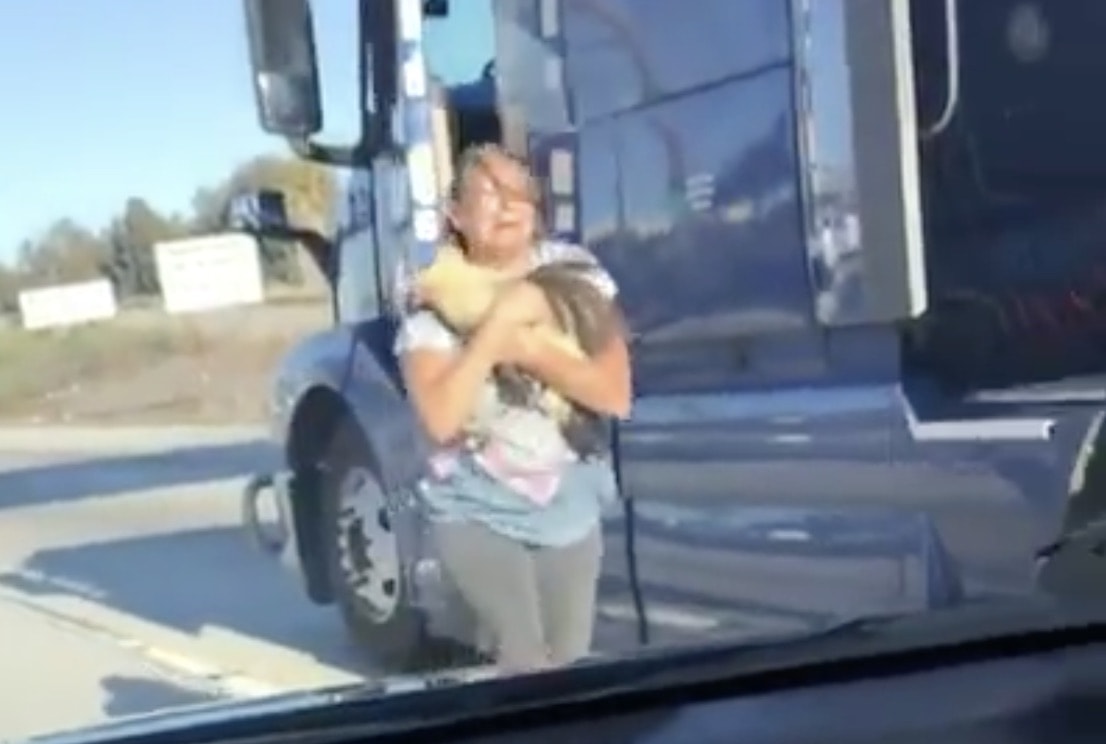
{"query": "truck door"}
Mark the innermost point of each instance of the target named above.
(758, 457)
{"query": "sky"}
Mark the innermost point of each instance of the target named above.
(107, 99)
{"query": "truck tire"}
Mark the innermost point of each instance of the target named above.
(364, 558)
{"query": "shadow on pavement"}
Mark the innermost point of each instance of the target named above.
(103, 476)
(192, 581)
(132, 696)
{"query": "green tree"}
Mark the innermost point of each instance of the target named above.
(123, 251)
(64, 252)
(132, 237)
(309, 189)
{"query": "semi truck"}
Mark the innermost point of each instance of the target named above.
(861, 250)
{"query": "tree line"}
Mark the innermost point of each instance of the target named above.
(123, 250)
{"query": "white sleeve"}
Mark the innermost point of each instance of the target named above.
(423, 330)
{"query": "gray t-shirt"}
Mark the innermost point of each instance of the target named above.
(525, 482)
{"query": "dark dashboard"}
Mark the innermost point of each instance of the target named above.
(994, 673)
(1055, 698)
(1011, 686)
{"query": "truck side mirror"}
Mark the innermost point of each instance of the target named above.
(285, 71)
(263, 214)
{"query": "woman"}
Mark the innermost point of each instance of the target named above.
(522, 543)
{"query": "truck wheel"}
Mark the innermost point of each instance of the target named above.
(363, 558)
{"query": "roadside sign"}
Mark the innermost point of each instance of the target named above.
(67, 304)
(210, 272)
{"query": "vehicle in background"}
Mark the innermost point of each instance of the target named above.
(859, 247)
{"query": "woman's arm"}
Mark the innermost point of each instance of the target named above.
(443, 378)
(601, 383)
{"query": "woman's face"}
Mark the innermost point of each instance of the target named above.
(495, 212)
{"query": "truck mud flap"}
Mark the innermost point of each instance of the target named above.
(278, 538)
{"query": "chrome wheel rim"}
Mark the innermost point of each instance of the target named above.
(368, 553)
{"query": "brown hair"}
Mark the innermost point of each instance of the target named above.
(474, 158)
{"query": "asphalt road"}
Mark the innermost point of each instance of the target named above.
(127, 586)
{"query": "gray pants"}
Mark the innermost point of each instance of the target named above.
(537, 604)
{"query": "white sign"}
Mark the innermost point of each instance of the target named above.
(209, 273)
(67, 304)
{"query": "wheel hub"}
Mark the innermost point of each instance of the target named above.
(367, 551)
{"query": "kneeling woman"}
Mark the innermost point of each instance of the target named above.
(516, 514)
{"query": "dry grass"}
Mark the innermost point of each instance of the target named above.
(147, 367)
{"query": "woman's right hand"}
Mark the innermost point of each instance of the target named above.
(505, 324)
(518, 305)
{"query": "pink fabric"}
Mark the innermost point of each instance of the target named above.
(444, 463)
(538, 484)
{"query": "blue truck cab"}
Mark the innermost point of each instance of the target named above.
(861, 245)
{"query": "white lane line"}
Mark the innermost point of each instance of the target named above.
(121, 440)
(277, 667)
(222, 682)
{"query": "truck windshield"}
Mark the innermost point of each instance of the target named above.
(459, 46)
